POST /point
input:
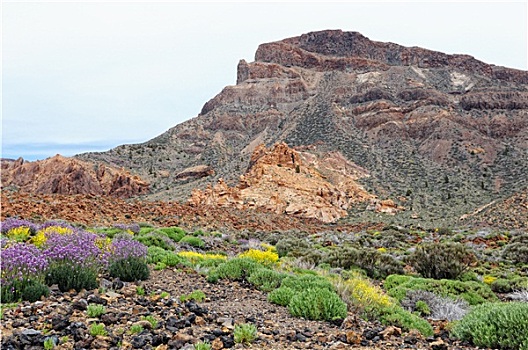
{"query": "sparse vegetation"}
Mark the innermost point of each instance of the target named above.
(245, 333)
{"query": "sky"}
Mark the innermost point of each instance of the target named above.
(89, 76)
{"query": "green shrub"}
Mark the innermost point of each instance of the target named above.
(202, 346)
(266, 279)
(517, 250)
(130, 269)
(29, 289)
(95, 310)
(474, 293)
(69, 277)
(281, 296)
(375, 264)
(288, 244)
(155, 239)
(196, 242)
(145, 230)
(441, 260)
(98, 329)
(196, 295)
(140, 290)
(157, 255)
(236, 269)
(245, 333)
(151, 319)
(304, 282)
(317, 304)
(395, 315)
(495, 325)
(136, 328)
(174, 233)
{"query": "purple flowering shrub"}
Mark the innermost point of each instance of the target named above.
(22, 269)
(12, 223)
(129, 260)
(74, 259)
(134, 228)
(64, 255)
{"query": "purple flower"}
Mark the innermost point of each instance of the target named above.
(11, 223)
(22, 261)
(79, 248)
(132, 227)
(55, 223)
(127, 248)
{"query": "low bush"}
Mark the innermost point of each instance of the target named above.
(196, 295)
(396, 316)
(174, 233)
(495, 325)
(317, 304)
(266, 258)
(435, 307)
(245, 333)
(517, 250)
(193, 241)
(98, 329)
(441, 260)
(266, 279)
(157, 255)
(235, 269)
(281, 296)
(130, 269)
(304, 282)
(375, 263)
(68, 277)
(156, 239)
(288, 244)
(95, 310)
(474, 293)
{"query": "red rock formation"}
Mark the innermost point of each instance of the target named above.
(283, 180)
(71, 176)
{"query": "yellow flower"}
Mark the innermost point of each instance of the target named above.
(195, 257)
(20, 233)
(489, 279)
(382, 250)
(266, 258)
(57, 229)
(39, 239)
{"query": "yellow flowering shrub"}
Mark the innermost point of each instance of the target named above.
(105, 244)
(20, 233)
(360, 292)
(196, 258)
(489, 279)
(42, 235)
(266, 258)
(39, 239)
(268, 247)
(57, 229)
(382, 250)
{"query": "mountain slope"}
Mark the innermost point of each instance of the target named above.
(443, 133)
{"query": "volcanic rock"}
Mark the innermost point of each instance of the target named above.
(71, 176)
(286, 181)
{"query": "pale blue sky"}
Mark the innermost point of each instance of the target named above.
(88, 76)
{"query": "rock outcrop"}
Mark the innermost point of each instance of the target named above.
(286, 181)
(70, 176)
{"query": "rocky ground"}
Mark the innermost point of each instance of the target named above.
(180, 325)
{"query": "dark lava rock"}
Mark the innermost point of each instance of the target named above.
(95, 299)
(139, 342)
(109, 319)
(228, 341)
(58, 323)
(370, 334)
(195, 308)
(80, 304)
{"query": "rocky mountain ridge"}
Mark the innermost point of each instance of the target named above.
(70, 176)
(443, 133)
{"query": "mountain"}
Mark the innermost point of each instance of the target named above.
(439, 134)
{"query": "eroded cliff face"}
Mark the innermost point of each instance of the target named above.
(62, 175)
(290, 182)
(439, 134)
